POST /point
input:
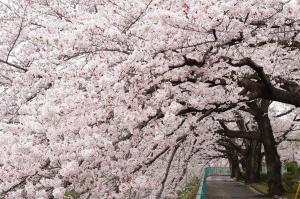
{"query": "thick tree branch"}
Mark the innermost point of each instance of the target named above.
(179, 140)
(167, 171)
(24, 179)
(258, 90)
(159, 114)
(258, 69)
(252, 135)
(13, 65)
(285, 113)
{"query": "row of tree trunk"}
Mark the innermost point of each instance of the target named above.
(244, 147)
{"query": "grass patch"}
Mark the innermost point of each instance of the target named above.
(261, 187)
(190, 191)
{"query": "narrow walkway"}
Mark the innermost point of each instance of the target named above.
(223, 187)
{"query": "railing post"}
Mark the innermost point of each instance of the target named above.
(206, 173)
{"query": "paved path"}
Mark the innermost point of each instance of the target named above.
(222, 187)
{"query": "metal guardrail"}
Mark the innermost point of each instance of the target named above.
(210, 171)
(218, 171)
(264, 169)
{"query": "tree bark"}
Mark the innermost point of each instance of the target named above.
(252, 154)
(253, 162)
(235, 169)
(258, 90)
(273, 162)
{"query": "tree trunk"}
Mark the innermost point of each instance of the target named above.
(231, 169)
(272, 158)
(251, 160)
(237, 172)
(235, 169)
(254, 162)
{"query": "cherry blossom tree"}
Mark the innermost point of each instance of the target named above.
(116, 99)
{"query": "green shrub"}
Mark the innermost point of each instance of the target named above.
(292, 167)
(291, 177)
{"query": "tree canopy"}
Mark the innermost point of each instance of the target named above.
(116, 99)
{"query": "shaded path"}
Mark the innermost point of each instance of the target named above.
(223, 187)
